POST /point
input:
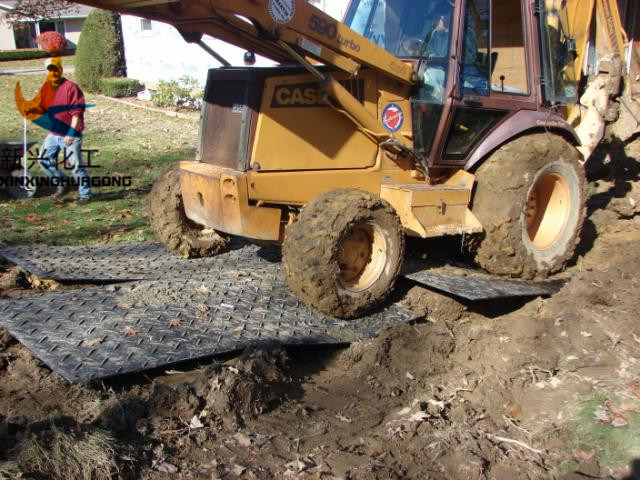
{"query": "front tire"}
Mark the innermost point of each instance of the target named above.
(530, 199)
(343, 254)
(170, 223)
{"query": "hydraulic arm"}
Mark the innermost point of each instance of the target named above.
(285, 31)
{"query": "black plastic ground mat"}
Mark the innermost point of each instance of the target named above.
(119, 262)
(179, 309)
(483, 287)
(235, 300)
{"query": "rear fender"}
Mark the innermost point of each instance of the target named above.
(517, 124)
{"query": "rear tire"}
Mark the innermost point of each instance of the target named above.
(169, 221)
(530, 199)
(343, 254)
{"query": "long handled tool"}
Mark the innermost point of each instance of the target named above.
(29, 189)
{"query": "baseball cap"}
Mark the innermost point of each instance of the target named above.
(54, 61)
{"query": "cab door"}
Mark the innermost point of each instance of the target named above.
(494, 77)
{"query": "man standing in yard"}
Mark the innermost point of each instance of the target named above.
(59, 108)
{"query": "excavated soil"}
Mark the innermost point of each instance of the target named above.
(479, 390)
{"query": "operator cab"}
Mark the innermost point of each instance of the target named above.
(470, 86)
(418, 31)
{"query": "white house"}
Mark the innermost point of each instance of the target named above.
(155, 51)
(69, 24)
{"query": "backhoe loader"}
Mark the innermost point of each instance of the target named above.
(411, 117)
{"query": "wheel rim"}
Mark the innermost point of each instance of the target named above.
(548, 208)
(362, 257)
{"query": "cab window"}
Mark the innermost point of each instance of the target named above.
(407, 29)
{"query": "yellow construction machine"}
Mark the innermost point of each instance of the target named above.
(410, 117)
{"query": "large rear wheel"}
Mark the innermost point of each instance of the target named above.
(343, 254)
(169, 221)
(530, 199)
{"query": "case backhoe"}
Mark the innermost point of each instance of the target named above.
(411, 117)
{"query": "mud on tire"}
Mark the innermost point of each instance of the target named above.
(175, 230)
(530, 199)
(343, 254)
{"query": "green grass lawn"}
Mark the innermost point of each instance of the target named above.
(35, 62)
(130, 141)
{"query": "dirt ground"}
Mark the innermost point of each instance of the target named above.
(544, 388)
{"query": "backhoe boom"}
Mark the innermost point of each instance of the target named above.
(257, 25)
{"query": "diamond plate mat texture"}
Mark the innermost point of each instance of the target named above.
(120, 262)
(483, 287)
(184, 310)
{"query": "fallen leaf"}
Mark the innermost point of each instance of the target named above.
(66, 222)
(602, 414)
(242, 439)
(342, 418)
(627, 407)
(238, 470)
(439, 404)
(298, 466)
(619, 421)
(238, 331)
(195, 423)
(32, 217)
(419, 417)
(514, 411)
(202, 289)
(130, 331)
(202, 307)
(86, 210)
(295, 467)
(109, 208)
(93, 343)
(176, 322)
(584, 456)
(633, 385)
(555, 382)
(126, 213)
(404, 411)
(168, 468)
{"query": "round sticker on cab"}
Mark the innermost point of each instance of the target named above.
(282, 11)
(392, 117)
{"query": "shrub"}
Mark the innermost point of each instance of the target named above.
(99, 53)
(119, 87)
(24, 54)
(184, 92)
(52, 42)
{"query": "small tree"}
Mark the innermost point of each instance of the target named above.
(52, 42)
(100, 51)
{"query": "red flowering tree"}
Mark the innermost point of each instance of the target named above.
(53, 42)
(39, 9)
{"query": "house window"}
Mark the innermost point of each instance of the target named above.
(24, 35)
(145, 24)
(52, 26)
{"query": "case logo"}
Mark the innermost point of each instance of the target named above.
(298, 95)
(392, 117)
(282, 11)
